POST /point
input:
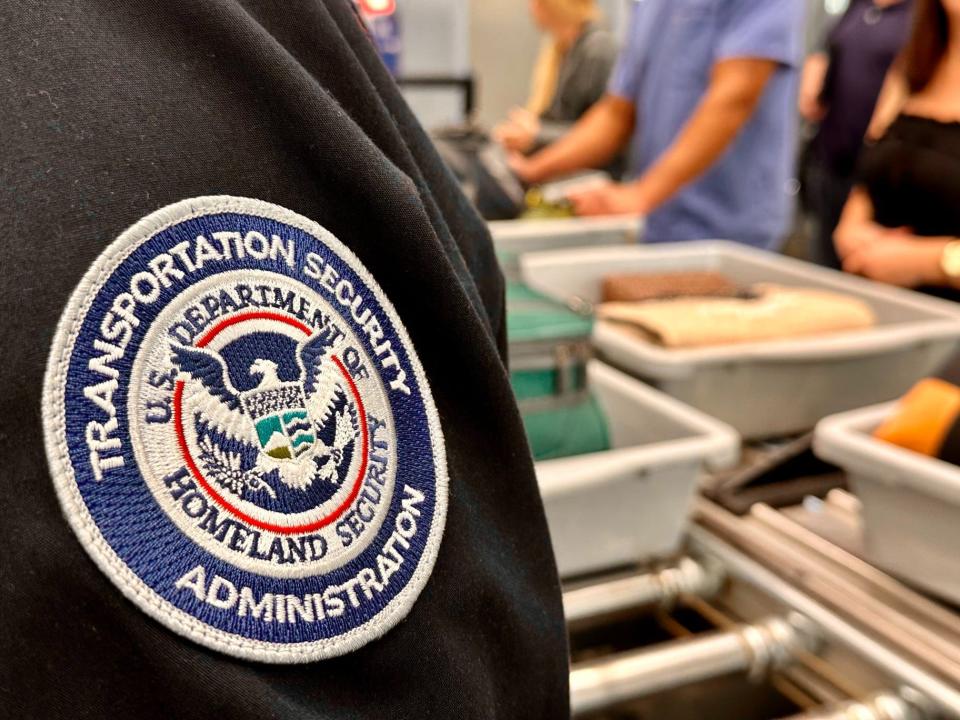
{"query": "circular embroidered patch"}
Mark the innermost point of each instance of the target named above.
(241, 433)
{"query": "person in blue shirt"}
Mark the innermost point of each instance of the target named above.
(704, 94)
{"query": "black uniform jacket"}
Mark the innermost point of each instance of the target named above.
(112, 109)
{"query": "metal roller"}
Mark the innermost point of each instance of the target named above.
(855, 635)
(653, 589)
(755, 650)
(903, 705)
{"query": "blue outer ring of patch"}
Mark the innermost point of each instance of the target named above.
(153, 547)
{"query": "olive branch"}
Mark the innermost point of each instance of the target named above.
(224, 468)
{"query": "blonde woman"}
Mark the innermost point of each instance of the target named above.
(570, 75)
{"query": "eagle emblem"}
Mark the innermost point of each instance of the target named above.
(276, 434)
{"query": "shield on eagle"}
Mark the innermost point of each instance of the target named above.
(284, 427)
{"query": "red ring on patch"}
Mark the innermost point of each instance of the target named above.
(219, 499)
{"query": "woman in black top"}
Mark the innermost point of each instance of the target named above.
(901, 223)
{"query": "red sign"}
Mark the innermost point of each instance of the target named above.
(373, 8)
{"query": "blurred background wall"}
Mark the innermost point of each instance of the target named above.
(435, 45)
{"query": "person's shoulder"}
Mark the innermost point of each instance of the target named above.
(599, 41)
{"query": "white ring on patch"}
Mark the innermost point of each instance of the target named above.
(242, 436)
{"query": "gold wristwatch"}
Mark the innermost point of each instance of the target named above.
(950, 260)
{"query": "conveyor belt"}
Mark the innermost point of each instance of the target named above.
(887, 653)
(886, 625)
(911, 624)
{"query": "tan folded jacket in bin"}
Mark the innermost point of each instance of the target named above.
(774, 312)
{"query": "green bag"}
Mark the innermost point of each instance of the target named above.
(533, 317)
(549, 348)
(572, 426)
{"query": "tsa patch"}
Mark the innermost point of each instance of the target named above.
(241, 433)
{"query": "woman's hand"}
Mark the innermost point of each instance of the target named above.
(899, 258)
(610, 199)
(851, 237)
(857, 227)
(519, 132)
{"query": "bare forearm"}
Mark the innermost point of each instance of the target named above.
(728, 105)
(811, 87)
(595, 139)
(892, 97)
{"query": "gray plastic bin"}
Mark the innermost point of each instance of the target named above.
(911, 503)
(630, 503)
(769, 388)
(512, 238)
